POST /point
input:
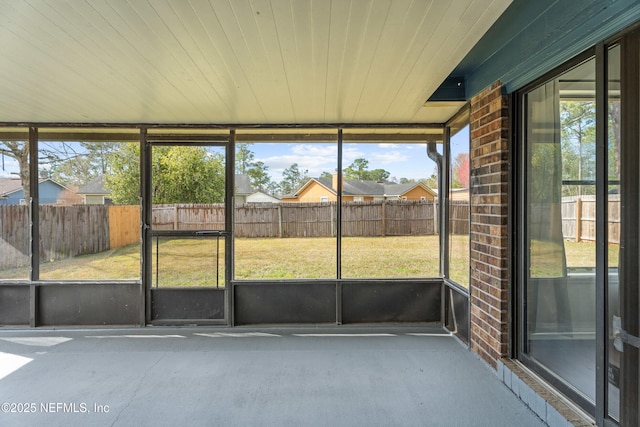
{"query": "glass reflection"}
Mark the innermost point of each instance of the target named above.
(560, 135)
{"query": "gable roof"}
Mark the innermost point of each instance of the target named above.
(11, 185)
(243, 185)
(355, 187)
(95, 186)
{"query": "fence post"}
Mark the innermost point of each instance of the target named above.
(331, 220)
(175, 216)
(279, 220)
(435, 217)
(383, 206)
(578, 219)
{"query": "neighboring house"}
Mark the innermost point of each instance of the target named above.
(324, 190)
(49, 192)
(95, 192)
(260, 197)
(243, 189)
(459, 195)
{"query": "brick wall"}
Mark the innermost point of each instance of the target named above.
(489, 281)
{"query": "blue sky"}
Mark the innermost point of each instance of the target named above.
(10, 165)
(401, 160)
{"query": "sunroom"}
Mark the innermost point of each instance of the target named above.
(468, 163)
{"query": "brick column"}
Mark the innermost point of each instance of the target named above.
(489, 277)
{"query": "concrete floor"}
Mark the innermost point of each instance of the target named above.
(376, 376)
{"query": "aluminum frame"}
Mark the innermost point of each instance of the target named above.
(147, 140)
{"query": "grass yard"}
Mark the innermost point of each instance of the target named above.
(546, 257)
(315, 258)
(191, 262)
(115, 264)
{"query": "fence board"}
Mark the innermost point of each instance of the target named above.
(459, 217)
(363, 219)
(69, 231)
(579, 218)
(14, 236)
(124, 226)
(257, 220)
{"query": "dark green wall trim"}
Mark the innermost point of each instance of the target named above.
(533, 37)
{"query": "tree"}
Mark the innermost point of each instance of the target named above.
(259, 176)
(75, 164)
(460, 171)
(614, 139)
(19, 150)
(578, 136)
(187, 175)
(124, 180)
(292, 179)
(326, 175)
(71, 164)
(180, 174)
(257, 171)
(359, 169)
(379, 175)
(273, 188)
(244, 158)
(431, 182)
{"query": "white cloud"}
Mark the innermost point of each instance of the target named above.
(387, 158)
(316, 158)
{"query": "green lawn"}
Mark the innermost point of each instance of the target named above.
(546, 257)
(192, 262)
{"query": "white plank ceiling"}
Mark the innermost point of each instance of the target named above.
(233, 61)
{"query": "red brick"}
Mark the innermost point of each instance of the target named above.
(489, 281)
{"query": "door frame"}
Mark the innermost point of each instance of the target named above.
(630, 219)
(190, 303)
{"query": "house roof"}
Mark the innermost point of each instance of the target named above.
(234, 62)
(243, 185)
(366, 188)
(95, 186)
(259, 194)
(9, 185)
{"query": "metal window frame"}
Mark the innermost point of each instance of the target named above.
(519, 212)
(181, 137)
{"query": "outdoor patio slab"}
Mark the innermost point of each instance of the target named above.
(206, 376)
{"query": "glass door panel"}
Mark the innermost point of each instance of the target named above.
(561, 242)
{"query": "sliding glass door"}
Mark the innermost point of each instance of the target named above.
(578, 212)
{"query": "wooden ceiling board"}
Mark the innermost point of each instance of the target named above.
(232, 61)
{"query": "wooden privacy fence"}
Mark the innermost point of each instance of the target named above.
(579, 218)
(69, 231)
(66, 231)
(306, 219)
(14, 236)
